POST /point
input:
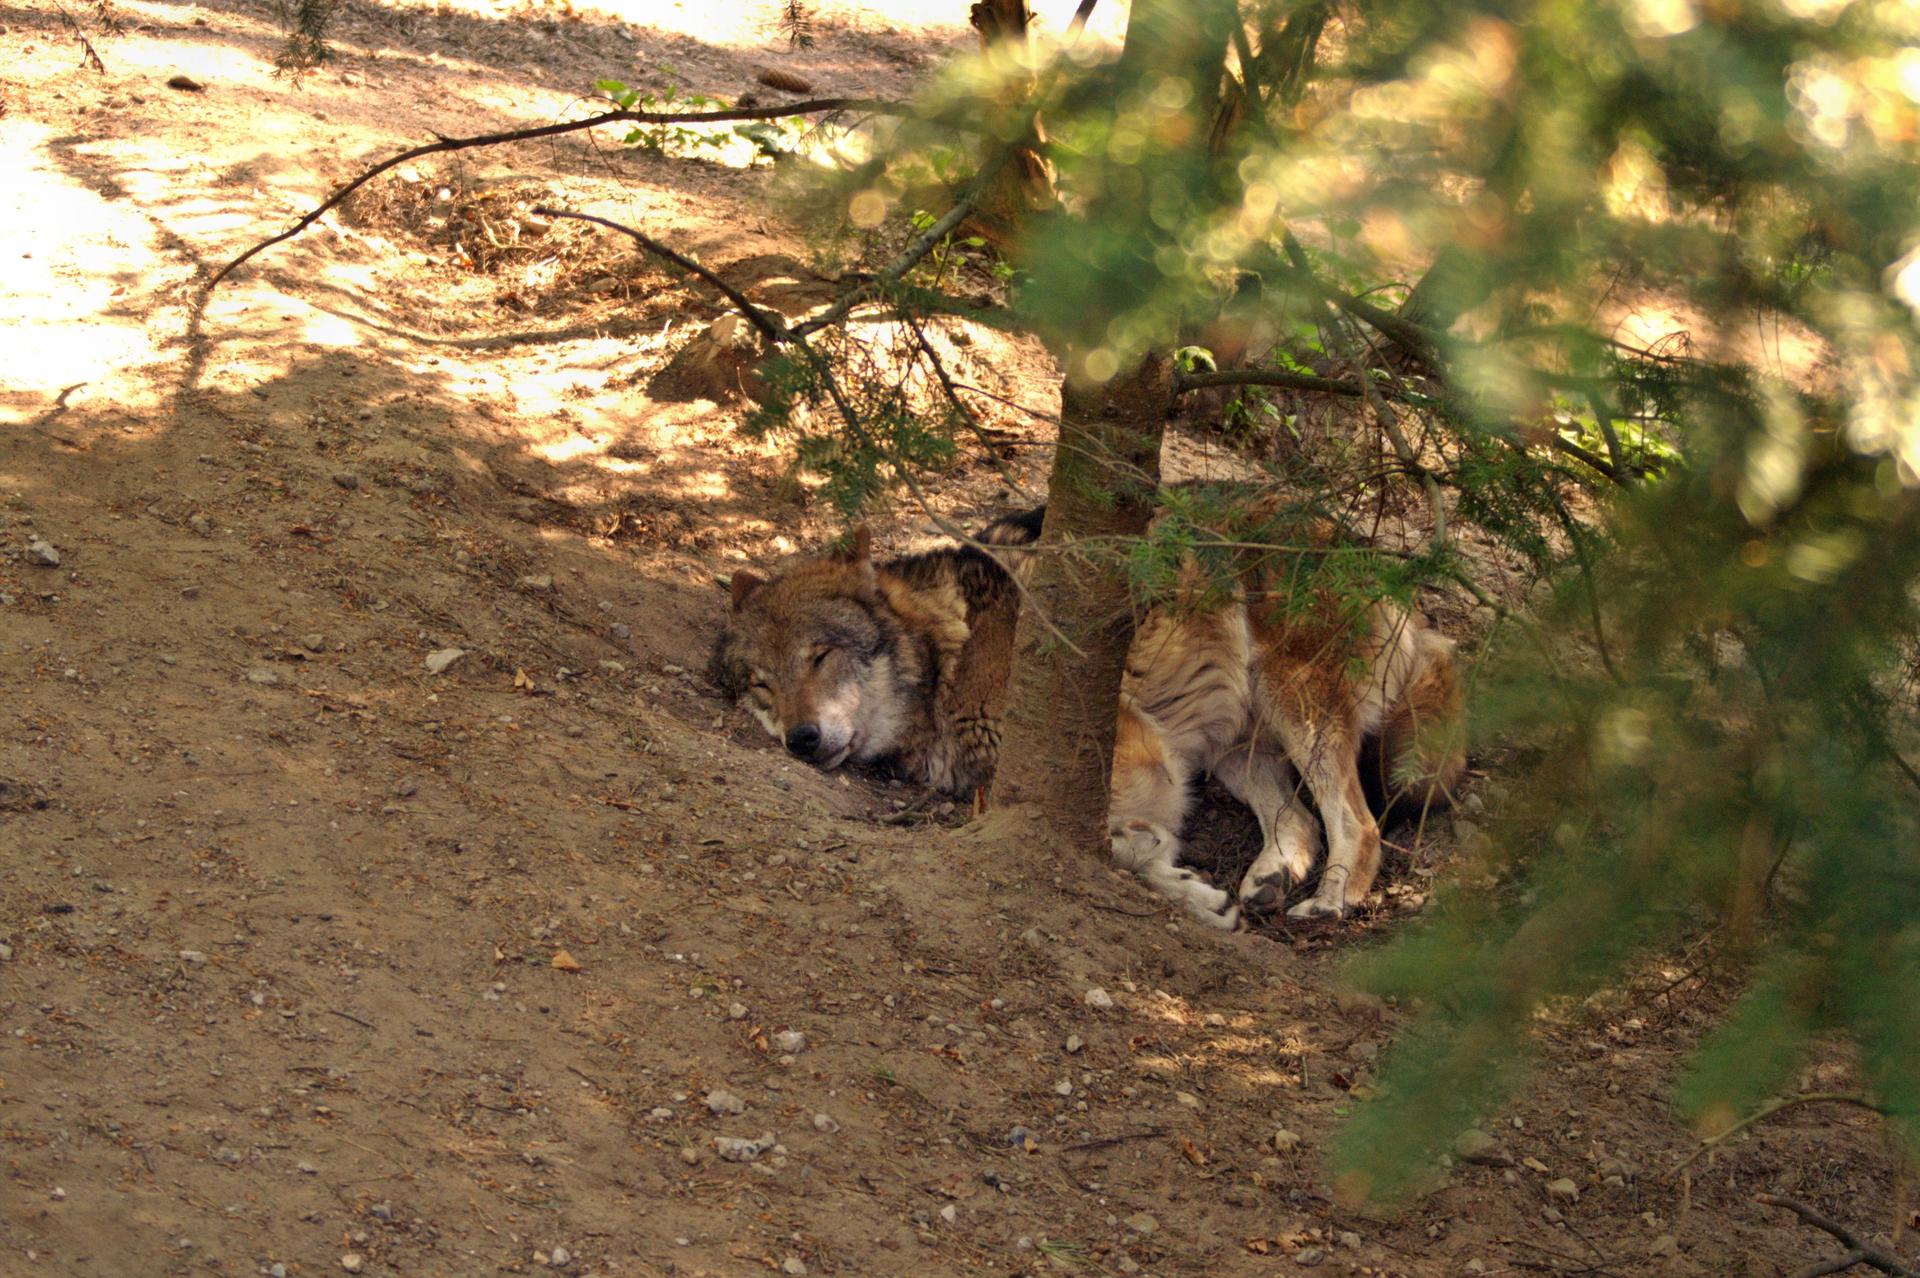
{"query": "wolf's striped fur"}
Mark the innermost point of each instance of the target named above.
(907, 662)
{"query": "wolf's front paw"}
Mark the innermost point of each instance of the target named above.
(1319, 907)
(1139, 844)
(1263, 891)
(1226, 919)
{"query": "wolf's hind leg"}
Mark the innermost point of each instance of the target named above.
(1148, 808)
(1150, 851)
(1327, 759)
(1266, 783)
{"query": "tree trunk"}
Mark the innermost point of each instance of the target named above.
(1070, 648)
(1056, 738)
(1025, 186)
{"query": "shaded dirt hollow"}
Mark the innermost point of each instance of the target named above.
(281, 911)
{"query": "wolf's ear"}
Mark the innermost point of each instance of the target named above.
(859, 547)
(741, 588)
(861, 559)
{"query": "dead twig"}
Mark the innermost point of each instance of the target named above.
(1149, 1133)
(1857, 1253)
(89, 56)
(349, 1016)
(810, 107)
(770, 325)
(1768, 1111)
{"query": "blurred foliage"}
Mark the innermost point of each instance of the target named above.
(1628, 286)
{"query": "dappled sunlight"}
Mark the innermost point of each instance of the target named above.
(1251, 1051)
(80, 272)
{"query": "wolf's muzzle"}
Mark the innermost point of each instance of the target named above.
(804, 740)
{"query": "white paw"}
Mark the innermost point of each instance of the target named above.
(1140, 844)
(1319, 907)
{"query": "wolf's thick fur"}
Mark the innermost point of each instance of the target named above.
(907, 662)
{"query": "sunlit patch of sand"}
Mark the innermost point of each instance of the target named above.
(81, 270)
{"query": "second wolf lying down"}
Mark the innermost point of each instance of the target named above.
(907, 662)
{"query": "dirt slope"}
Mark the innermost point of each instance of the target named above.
(318, 962)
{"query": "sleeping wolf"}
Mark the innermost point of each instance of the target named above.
(906, 663)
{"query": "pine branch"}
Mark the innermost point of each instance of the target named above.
(798, 24)
(923, 244)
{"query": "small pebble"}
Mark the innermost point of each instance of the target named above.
(725, 1102)
(1284, 1141)
(262, 676)
(1563, 1188)
(795, 1266)
(825, 1123)
(562, 1258)
(792, 1042)
(1099, 999)
(40, 552)
(1073, 1044)
(440, 659)
(1308, 1257)
(735, 1149)
(353, 1262)
(346, 479)
(1141, 1222)
(950, 1213)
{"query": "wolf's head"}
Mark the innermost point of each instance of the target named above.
(815, 655)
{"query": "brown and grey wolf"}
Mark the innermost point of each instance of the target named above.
(905, 664)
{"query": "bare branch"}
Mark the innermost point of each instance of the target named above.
(810, 107)
(1080, 16)
(769, 324)
(1768, 1111)
(1858, 1253)
(1185, 382)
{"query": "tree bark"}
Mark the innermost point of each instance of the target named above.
(1025, 186)
(1057, 734)
(1070, 648)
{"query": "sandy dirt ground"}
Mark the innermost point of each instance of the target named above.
(313, 961)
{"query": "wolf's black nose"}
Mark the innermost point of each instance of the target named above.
(804, 740)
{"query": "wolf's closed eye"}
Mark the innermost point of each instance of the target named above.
(820, 657)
